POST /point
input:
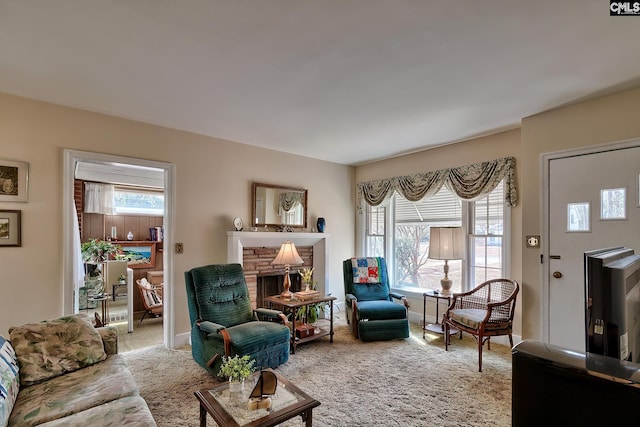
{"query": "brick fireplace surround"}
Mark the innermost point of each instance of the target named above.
(255, 251)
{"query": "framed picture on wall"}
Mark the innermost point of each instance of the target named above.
(14, 178)
(10, 228)
(139, 254)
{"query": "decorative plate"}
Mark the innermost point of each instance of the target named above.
(237, 223)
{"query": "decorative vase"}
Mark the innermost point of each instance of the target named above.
(236, 386)
(321, 224)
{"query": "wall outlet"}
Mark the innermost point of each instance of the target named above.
(533, 241)
(179, 248)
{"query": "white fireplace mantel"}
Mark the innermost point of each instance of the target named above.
(238, 240)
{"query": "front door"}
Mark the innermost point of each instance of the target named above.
(586, 211)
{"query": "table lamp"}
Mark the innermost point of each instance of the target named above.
(287, 256)
(446, 243)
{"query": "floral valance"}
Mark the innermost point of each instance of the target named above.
(468, 182)
(290, 200)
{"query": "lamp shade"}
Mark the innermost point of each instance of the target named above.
(288, 255)
(446, 243)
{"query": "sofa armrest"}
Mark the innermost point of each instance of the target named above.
(109, 335)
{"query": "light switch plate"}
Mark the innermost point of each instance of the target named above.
(533, 241)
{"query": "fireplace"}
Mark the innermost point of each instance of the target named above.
(272, 284)
(255, 251)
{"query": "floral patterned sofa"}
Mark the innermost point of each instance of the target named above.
(65, 372)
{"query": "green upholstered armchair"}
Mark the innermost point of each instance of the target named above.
(371, 307)
(223, 322)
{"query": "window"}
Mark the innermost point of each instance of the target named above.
(375, 230)
(409, 266)
(486, 243)
(138, 201)
(412, 221)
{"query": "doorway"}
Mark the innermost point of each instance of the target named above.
(579, 188)
(71, 160)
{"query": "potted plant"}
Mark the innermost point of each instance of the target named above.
(237, 369)
(122, 279)
(96, 250)
(310, 313)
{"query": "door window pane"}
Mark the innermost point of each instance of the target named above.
(578, 216)
(613, 203)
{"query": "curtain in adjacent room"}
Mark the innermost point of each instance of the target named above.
(99, 198)
(469, 182)
(78, 265)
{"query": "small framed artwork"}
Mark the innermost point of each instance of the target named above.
(14, 181)
(139, 254)
(10, 228)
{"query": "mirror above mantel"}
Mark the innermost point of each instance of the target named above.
(278, 206)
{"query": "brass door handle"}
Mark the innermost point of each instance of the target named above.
(557, 274)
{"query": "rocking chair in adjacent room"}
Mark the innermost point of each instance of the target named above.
(224, 324)
(151, 296)
(484, 312)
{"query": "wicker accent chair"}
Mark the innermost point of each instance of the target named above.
(151, 296)
(484, 312)
(223, 322)
(371, 309)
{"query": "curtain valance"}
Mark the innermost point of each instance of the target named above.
(290, 200)
(99, 198)
(469, 182)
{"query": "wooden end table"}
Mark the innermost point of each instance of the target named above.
(289, 307)
(434, 327)
(230, 409)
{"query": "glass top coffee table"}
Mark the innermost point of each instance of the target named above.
(230, 409)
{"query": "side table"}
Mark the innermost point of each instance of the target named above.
(434, 327)
(289, 307)
(104, 300)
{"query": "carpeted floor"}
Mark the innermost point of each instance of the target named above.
(411, 382)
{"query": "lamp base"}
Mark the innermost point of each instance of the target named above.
(446, 285)
(286, 294)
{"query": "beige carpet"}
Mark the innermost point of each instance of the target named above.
(411, 382)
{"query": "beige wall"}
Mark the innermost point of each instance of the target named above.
(505, 144)
(213, 185)
(608, 119)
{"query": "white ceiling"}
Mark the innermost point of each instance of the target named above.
(347, 81)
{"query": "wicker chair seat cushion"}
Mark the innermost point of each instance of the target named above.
(470, 317)
(381, 310)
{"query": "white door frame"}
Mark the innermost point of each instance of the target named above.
(546, 159)
(71, 157)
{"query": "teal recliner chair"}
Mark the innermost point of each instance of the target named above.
(371, 307)
(223, 322)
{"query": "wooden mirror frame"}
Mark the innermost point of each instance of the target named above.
(256, 186)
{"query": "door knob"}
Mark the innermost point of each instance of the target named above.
(557, 274)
